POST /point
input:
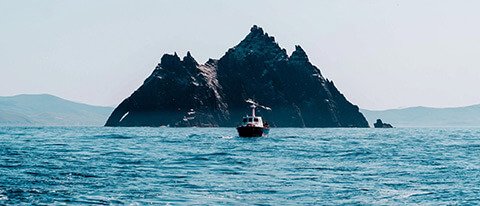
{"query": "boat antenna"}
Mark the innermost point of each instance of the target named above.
(255, 105)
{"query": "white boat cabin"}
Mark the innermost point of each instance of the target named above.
(253, 121)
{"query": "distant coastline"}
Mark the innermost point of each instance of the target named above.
(468, 116)
(50, 110)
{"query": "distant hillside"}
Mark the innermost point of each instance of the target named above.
(428, 117)
(48, 110)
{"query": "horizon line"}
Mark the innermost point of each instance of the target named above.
(361, 108)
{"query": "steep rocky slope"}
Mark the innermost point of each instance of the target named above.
(181, 92)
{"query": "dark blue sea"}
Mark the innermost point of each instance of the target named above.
(141, 166)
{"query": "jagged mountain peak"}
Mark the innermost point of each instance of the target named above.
(257, 33)
(189, 60)
(258, 43)
(169, 61)
(299, 54)
(256, 29)
(256, 68)
(174, 61)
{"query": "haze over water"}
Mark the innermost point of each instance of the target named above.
(95, 165)
(380, 54)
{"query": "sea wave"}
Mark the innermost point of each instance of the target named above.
(90, 165)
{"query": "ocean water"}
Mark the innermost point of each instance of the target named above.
(139, 166)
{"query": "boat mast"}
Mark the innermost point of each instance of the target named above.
(255, 105)
(253, 109)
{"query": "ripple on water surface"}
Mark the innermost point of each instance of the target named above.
(89, 165)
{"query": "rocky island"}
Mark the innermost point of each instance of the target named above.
(182, 92)
(380, 124)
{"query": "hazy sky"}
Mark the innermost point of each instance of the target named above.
(381, 54)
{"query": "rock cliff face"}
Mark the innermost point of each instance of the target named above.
(380, 124)
(181, 92)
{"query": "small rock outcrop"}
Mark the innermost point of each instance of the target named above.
(380, 124)
(181, 92)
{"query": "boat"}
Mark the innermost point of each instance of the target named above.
(252, 125)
